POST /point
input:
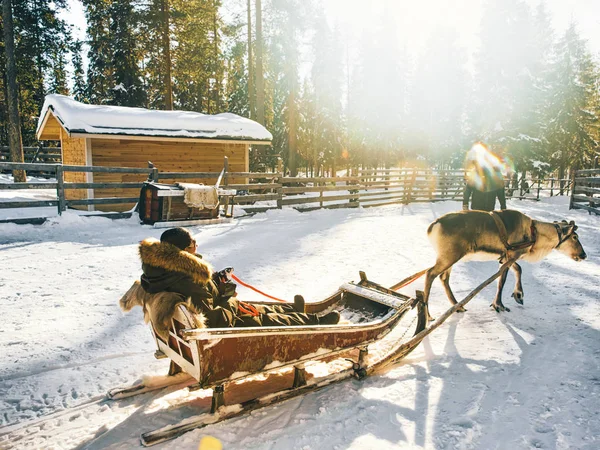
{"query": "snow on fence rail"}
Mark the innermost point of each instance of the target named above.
(586, 191)
(263, 191)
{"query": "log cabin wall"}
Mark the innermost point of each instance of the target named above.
(73, 152)
(167, 156)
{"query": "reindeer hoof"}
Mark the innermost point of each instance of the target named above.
(461, 309)
(499, 308)
(518, 296)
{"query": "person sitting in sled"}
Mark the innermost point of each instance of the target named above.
(172, 265)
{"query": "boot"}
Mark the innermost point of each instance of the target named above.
(299, 305)
(330, 318)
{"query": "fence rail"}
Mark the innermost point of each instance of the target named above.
(366, 188)
(586, 191)
(35, 154)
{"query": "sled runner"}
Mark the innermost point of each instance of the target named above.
(216, 357)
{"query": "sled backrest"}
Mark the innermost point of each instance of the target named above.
(183, 353)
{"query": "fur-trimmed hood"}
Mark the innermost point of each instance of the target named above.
(159, 308)
(169, 257)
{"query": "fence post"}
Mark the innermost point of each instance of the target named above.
(413, 177)
(551, 186)
(572, 189)
(60, 189)
(280, 191)
(320, 195)
(225, 171)
(539, 187)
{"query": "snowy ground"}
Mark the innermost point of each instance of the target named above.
(525, 379)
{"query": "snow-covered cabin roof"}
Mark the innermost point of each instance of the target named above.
(82, 120)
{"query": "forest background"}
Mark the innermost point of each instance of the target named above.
(334, 96)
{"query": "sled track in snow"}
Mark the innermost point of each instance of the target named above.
(17, 375)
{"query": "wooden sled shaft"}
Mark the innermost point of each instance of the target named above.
(408, 346)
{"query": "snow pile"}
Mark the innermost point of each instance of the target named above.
(81, 118)
(524, 379)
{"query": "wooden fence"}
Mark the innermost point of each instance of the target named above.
(586, 191)
(264, 191)
(38, 154)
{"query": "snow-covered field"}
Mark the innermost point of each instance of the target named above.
(529, 378)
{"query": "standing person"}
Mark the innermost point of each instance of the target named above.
(484, 182)
(172, 265)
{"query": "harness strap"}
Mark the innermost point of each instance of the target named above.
(559, 232)
(502, 233)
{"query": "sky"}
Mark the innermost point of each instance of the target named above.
(416, 20)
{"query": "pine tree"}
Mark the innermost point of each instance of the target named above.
(125, 55)
(41, 44)
(573, 122)
(237, 81)
(100, 77)
(79, 86)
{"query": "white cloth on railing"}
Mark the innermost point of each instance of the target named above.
(199, 195)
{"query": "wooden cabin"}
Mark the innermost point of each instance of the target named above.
(118, 136)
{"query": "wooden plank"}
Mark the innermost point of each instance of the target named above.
(28, 185)
(254, 175)
(254, 186)
(588, 172)
(287, 180)
(580, 206)
(242, 199)
(586, 189)
(585, 198)
(103, 201)
(72, 168)
(28, 204)
(28, 166)
(330, 198)
(302, 190)
(103, 185)
(592, 180)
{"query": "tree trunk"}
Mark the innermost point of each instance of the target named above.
(292, 119)
(218, 80)
(251, 93)
(14, 123)
(260, 82)
(166, 38)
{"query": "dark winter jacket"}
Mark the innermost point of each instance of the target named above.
(483, 201)
(168, 269)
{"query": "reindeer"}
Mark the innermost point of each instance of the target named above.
(482, 235)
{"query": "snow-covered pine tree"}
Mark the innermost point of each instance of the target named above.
(41, 45)
(572, 131)
(79, 86)
(100, 77)
(125, 55)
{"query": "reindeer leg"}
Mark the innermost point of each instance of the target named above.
(431, 275)
(445, 279)
(518, 292)
(497, 305)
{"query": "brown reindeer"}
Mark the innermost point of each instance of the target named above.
(501, 235)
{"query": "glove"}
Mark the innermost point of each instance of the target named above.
(225, 274)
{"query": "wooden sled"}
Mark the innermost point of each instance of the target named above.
(214, 357)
